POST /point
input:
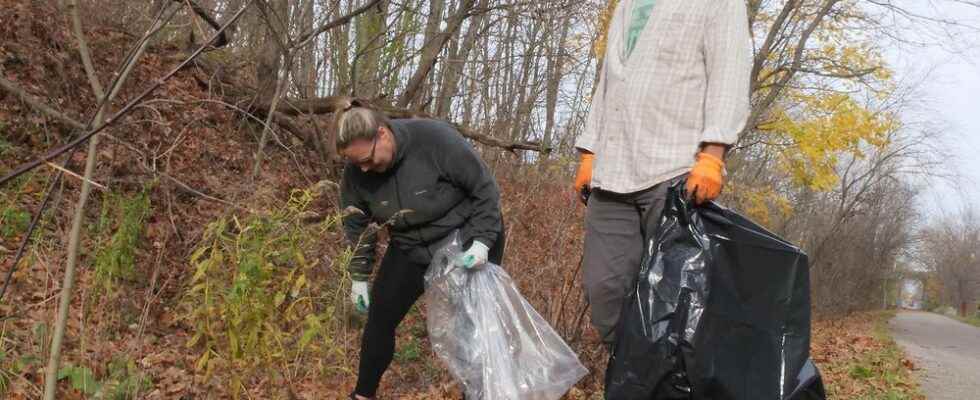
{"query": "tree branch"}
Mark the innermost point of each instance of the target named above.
(431, 51)
(308, 37)
(794, 66)
(72, 8)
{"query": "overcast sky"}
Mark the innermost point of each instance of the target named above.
(952, 89)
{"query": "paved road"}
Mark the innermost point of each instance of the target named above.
(946, 351)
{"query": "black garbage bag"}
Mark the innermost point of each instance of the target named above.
(721, 311)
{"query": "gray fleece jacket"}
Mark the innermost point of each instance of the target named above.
(439, 182)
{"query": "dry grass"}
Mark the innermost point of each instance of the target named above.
(860, 361)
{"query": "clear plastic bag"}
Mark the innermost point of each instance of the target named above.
(493, 342)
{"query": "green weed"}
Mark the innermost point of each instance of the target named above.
(409, 352)
(115, 260)
(5, 146)
(124, 381)
(82, 379)
(972, 320)
(13, 222)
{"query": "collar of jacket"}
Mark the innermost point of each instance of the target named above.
(402, 141)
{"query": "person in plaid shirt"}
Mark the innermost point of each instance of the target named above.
(672, 97)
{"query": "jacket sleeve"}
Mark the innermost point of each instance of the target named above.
(728, 63)
(466, 170)
(360, 236)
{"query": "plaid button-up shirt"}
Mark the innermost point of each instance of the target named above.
(685, 83)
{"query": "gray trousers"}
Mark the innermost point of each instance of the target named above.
(616, 227)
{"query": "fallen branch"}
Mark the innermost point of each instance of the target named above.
(290, 125)
(509, 146)
(77, 176)
(328, 105)
(294, 107)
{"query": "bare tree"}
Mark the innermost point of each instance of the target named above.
(949, 250)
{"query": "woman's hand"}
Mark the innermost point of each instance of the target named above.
(359, 296)
(474, 256)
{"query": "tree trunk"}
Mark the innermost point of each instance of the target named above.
(371, 35)
(556, 61)
(339, 55)
(528, 92)
(271, 48)
(306, 81)
(457, 59)
(430, 52)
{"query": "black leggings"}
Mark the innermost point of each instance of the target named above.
(399, 283)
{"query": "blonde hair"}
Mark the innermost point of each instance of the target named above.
(357, 121)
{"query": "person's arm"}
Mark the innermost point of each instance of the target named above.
(466, 170)
(728, 65)
(363, 240)
(719, 150)
(587, 140)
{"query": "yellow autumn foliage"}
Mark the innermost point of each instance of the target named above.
(764, 205)
(818, 130)
(824, 115)
(605, 18)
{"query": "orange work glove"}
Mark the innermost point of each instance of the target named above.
(584, 176)
(706, 178)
